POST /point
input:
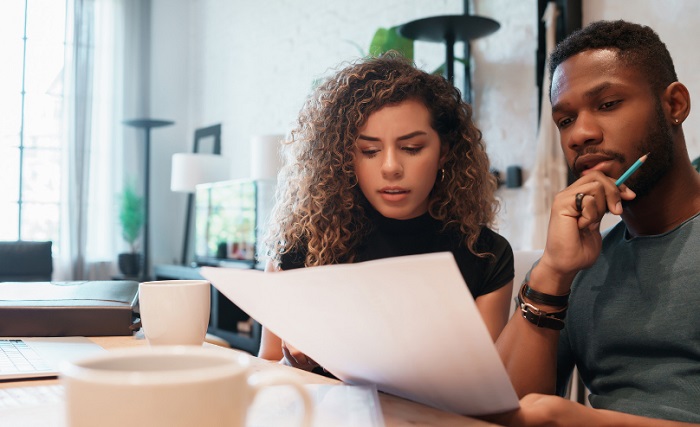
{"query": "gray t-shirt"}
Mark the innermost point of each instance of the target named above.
(633, 324)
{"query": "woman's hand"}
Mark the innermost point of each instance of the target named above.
(295, 358)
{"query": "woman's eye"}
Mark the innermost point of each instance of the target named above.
(412, 150)
(370, 153)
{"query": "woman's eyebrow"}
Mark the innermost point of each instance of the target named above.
(401, 138)
(411, 135)
(368, 138)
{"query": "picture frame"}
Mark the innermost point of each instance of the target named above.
(207, 140)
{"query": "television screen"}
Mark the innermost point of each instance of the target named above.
(226, 222)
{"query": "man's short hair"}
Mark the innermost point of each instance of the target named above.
(639, 47)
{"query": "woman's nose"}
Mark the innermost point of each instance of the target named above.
(391, 165)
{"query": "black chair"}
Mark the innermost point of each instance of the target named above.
(25, 261)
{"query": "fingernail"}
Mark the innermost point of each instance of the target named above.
(618, 207)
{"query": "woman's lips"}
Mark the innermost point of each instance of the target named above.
(393, 194)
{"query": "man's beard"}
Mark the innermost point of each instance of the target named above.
(659, 143)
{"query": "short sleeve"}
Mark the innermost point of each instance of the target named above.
(565, 363)
(500, 269)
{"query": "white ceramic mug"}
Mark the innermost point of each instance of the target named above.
(175, 312)
(167, 386)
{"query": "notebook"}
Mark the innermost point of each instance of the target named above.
(25, 358)
(60, 309)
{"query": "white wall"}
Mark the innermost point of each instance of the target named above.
(249, 65)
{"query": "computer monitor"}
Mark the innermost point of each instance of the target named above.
(229, 221)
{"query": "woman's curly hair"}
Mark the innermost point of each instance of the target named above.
(320, 209)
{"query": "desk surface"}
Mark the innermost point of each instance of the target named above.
(397, 411)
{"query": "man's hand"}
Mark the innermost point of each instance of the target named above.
(573, 238)
(539, 410)
(546, 410)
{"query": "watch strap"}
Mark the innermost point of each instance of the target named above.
(542, 298)
(551, 320)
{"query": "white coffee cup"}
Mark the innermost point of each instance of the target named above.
(175, 312)
(167, 386)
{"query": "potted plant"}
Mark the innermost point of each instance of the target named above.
(386, 39)
(131, 220)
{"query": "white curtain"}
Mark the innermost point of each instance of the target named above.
(549, 173)
(100, 50)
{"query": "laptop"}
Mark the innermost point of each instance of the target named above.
(26, 358)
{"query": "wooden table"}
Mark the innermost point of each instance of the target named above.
(397, 412)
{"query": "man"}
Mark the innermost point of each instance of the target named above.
(632, 324)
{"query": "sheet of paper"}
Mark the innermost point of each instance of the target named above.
(334, 405)
(276, 406)
(407, 325)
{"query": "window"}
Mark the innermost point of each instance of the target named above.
(32, 34)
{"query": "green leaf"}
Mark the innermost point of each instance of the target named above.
(385, 40)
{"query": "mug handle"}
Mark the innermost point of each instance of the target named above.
(259, 381)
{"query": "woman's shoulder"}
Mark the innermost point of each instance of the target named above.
(490, 240)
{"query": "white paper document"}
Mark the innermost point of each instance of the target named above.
(275, 406)
(408, 325)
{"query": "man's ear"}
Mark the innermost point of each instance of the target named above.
(676, 100)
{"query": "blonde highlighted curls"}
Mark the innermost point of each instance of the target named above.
(320, 209)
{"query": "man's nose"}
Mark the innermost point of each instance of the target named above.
(585, 130)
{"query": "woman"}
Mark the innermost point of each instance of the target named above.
(385, 161)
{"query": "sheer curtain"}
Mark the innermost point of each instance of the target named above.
(100, 89)
(549, 173)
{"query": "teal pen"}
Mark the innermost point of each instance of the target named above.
(631, 170)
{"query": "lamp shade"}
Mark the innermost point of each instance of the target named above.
(265, 156)
(192, 169)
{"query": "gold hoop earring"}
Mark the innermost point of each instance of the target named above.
(442, 175)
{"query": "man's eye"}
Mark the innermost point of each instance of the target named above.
(564, 122)
(609, 104)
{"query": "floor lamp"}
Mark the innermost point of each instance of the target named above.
(146, 125)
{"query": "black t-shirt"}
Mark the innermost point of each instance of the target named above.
(424, 234)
